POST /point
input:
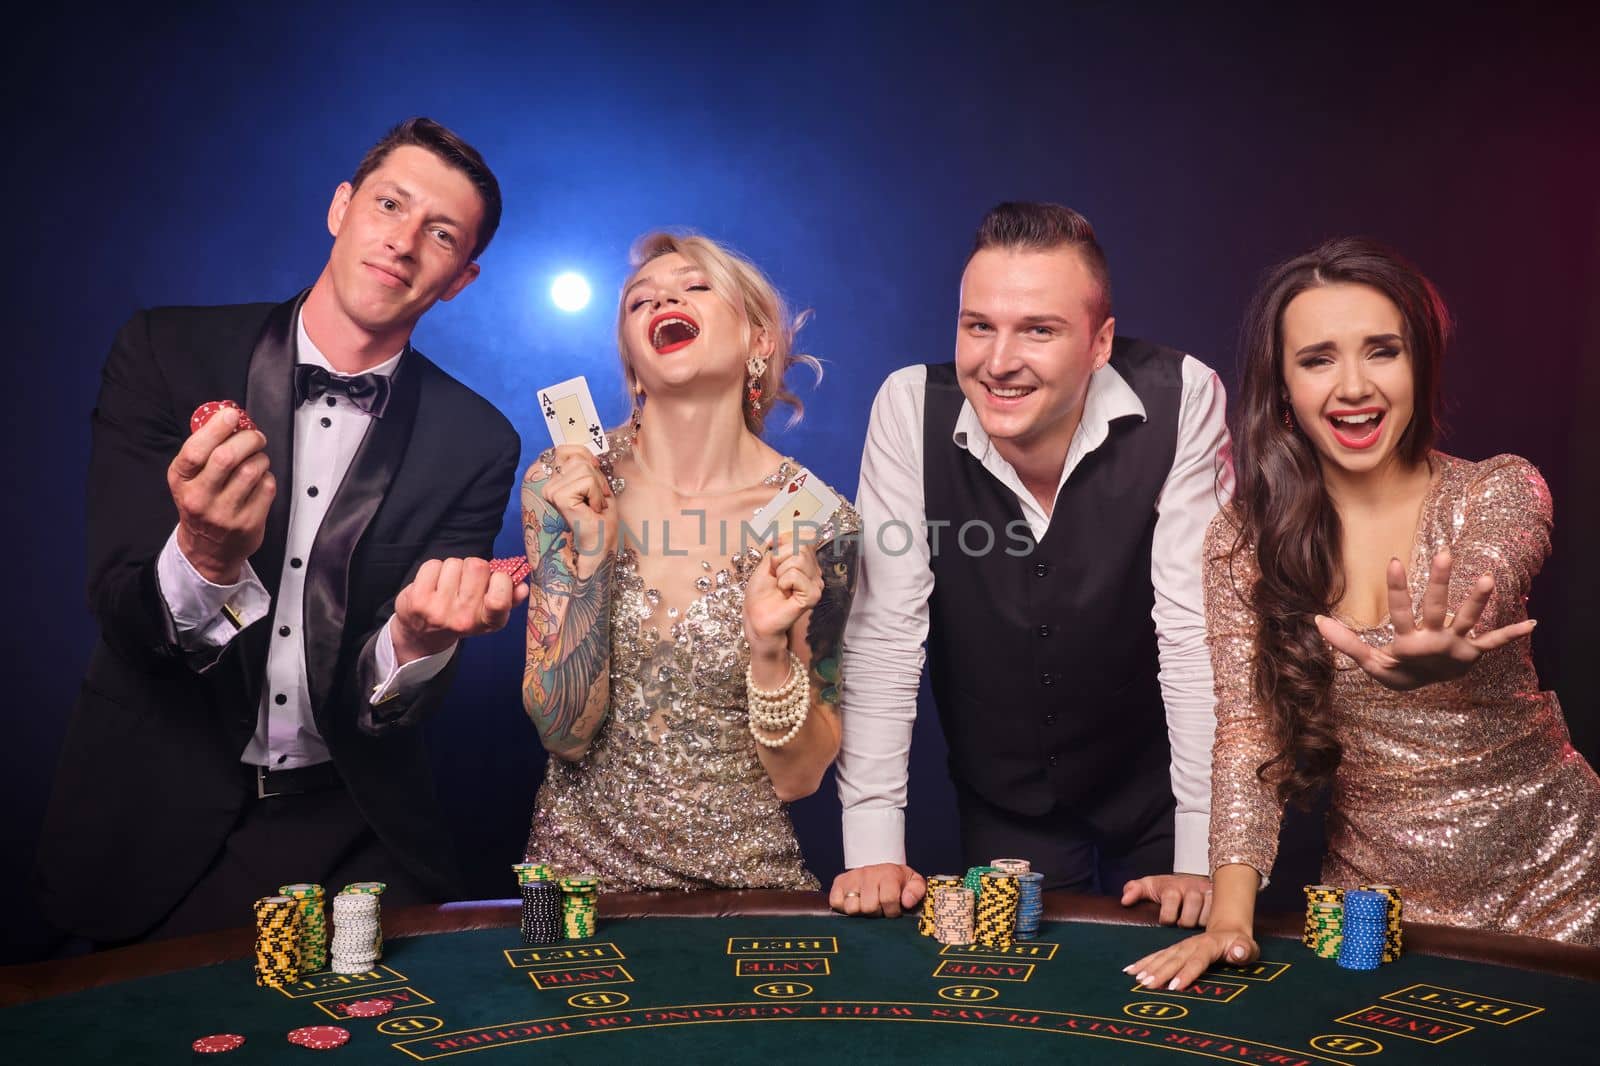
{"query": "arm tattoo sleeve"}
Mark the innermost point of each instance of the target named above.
(569, 629)
(840, 561)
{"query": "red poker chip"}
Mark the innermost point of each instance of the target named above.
(203, 413)
(369, 1008)
(218, 1043)
(320, 1037)
(515, 567)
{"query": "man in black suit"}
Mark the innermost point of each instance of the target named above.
(279, 607)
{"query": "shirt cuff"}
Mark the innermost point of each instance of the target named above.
(1190, 843)
(204, 614)
(403, 681)
(874, 835)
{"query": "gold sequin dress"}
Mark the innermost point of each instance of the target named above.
(1467, 795)
(671, 794)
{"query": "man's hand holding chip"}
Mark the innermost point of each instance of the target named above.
(450, 599)
(223, 489)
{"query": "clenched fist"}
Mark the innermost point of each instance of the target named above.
(447, 600)
(784, 585)
(577, 488)
(223, 490)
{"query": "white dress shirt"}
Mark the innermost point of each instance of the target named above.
(884, 649)
(326, 437)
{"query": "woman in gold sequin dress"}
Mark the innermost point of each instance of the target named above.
(1365, 607)
(682, 668)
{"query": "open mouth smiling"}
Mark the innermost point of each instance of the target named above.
(672, 330)
(1008, 392)
(1357, 429)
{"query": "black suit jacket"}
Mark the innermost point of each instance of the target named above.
(149, 783)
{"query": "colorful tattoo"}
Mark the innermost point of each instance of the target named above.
(840, 562)
(569, 630)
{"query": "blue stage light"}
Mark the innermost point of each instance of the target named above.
(570, 292)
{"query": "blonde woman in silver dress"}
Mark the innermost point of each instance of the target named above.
(1366, 611)
(682, 671)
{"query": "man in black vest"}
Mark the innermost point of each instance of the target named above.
(279, 606)
(1035, 512)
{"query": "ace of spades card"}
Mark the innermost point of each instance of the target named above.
(803, 504)
(570, 413)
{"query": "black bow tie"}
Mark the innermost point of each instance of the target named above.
(370, 392)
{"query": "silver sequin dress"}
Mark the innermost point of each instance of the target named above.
(1467, 795)
(671, 794)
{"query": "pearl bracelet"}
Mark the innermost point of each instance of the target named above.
(787, 707)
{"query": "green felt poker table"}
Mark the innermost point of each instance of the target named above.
(772, 977)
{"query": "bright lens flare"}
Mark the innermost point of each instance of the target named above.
(570, 292)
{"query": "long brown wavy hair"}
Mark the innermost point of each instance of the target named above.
(1283, 508)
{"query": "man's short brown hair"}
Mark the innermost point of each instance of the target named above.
(448, 146)
(1032, 227)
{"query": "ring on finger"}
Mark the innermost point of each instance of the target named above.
(847, 895)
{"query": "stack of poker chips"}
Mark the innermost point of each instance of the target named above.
(532, 871)
(1030, 904)
(355, 932)
(369, 888)
(995, 918)
(936, 884)
(1324, 929)
(1361, 947)
(541, 912)
(953, 910)
(973, 881)
(313, 925)
(277, 941)
(541, 903)
(1391, 928)
(1324, 919)
(579, 906)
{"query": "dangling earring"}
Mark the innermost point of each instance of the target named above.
(1288, 420)
(755, 366)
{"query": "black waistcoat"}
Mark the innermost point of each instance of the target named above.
(1043, 655)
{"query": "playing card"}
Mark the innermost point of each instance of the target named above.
(570, 413)
(800, 507)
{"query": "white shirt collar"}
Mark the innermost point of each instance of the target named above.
(311, 355)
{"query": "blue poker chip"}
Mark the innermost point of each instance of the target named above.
(1359, 904)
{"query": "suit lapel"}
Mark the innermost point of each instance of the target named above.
(328, 570)
(269, 397)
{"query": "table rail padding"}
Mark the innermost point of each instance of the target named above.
(34, 981)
